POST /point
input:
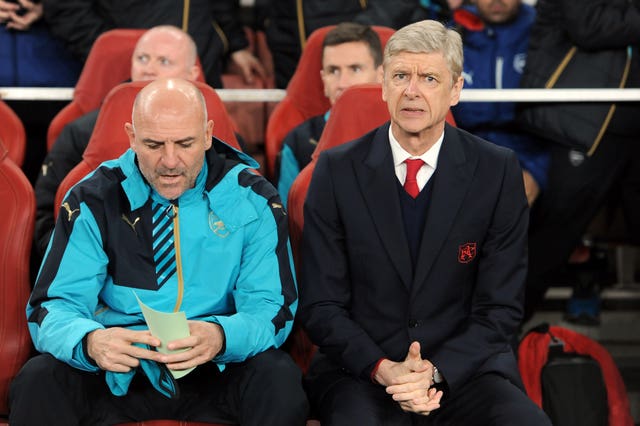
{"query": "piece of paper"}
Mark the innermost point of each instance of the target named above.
(167, 326)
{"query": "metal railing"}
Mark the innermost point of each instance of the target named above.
(275, 95)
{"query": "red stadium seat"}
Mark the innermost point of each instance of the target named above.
(109, 140)
(16, 230)
(12, 134)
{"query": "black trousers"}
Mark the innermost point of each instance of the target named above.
(264, 390)
(579, 186)
(340, 399)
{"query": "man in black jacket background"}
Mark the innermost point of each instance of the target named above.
(214, 26)
(606, 36)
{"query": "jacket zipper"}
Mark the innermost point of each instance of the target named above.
(612, 108)
(185, 15)
(176, 242)
(499, 71)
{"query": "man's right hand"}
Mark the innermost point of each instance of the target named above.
(113, 348)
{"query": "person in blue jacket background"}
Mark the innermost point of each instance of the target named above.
(30, 55)
(495, 36)
(182, 223)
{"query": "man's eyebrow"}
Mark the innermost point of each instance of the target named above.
(183, 140)
(149, 140)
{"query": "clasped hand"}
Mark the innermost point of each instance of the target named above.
(409, 382)
(114, 349)
(31, 12)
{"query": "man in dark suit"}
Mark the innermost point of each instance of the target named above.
(414, 258)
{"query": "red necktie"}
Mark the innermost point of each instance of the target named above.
(410, 183)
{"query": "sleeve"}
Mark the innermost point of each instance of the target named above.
(60, 310)
(65, 154)
(497, 302)
(76, 22)
(265, 293)
(325, 290)
(227, 17)
(289, 170)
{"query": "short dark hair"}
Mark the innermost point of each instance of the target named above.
(347, 32)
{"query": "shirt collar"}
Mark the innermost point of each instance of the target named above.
(399, 154)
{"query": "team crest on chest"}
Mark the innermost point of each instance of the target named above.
(217, 226)
(466, 252)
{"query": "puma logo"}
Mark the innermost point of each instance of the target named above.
(70, 212)
(131, 224)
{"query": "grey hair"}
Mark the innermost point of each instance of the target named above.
(426, 37)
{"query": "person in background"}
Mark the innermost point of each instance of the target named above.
(30, 56)
(163, 51)
(214, 26)
(288, 23)
(351, 54)
(423, 227)
(495, 38)
(605, 37)
(180, 222)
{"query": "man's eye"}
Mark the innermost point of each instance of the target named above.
(143, 58)
(399, 76)
(165, 61)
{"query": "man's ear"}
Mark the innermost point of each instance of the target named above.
(131, 133)
(208, 135)
(455, 91)
(324, 86)
(194, 73)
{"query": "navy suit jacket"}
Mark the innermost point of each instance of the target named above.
(360, 298)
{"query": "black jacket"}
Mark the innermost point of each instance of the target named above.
(214, 25)
(65, 154)
(602, 33)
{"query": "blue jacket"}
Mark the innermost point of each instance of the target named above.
(35, 58)
(494, 58)
(236, 261)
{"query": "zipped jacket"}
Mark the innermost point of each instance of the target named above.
(606, 36)
(231, 245)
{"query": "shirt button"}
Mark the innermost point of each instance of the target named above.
(413, 323)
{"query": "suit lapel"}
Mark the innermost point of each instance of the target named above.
(452, 179)
(377, 180)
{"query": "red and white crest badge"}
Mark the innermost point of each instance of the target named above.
(466, 252)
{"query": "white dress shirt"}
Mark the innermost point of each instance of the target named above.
(430, 159)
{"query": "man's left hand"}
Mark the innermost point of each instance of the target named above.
(204, 343)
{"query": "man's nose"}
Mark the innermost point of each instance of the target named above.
(169, 156)
(412, 86)
(345, 80)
